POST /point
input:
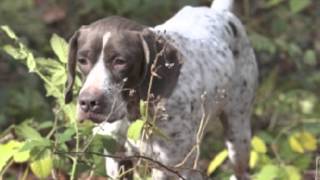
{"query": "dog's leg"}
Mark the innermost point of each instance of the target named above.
(235, 118)
(112, 167)
(238, 135)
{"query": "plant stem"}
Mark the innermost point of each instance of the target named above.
(75, 159)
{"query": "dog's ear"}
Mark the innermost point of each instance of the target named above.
(71, 67)
(163, 61)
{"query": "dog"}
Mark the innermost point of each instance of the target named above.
(197, 66)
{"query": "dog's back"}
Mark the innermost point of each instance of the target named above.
(217, 61)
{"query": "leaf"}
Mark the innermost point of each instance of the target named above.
(303, 162)
(31, 63)
(268, 172)
(37, 143)
(258, 145)
(14, 52)
(310, 57)
(143, 108)
(303, 141)
(59, 77)
(217, 161)
(309, 141)
(254, 157)
(9, 32)
(295, 144)
(27, 132)
(298, 5)
(307, 106)
(103, 142)
(294, 50)
(70, 111)
(42, 166)
(66, 135)
(60, 47)
(134, 130)
(110, 144)
(263, 43)
(292, 173)
(45, 125)
(7, 151)
(21, 156)
(50, 65)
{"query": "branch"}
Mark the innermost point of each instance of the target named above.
(161, 165)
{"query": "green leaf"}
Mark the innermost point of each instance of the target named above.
(70, 111)
(7, 151)
(59, 77)
(307, 105)
(66, 135)
(37, 143)
(309, 141)
(45, 125)
(268, 172)
(31, 63)
(14, 52)
(143, 108)
(294, 50)
(217, 161)
(101, 142)
(27, 132)
(50, 65)
(134, 130)
(310, 57)
(110, 144)
(258, 145)
(42, 166)
(21, 156)
(295, 144)
(60, 47)
(298, 5)
(254, 157)
(303, 161)
(9, 32)
(263, 43)
(292, 173)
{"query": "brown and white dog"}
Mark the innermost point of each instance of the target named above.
(200, 52)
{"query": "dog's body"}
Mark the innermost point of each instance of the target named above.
(209, 70)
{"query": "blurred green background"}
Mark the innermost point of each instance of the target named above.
(284, 33)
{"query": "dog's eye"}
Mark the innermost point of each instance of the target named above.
(119, 61)
(82, 61)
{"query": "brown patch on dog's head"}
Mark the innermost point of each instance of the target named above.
(126, 57)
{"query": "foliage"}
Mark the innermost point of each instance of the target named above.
(45, 151)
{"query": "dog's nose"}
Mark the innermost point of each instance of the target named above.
(90, 102)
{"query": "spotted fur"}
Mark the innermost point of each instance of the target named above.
(218, 65)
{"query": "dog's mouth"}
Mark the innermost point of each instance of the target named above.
(99, 118)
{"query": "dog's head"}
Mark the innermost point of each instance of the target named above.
(114, 56)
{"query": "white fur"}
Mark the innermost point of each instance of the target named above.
(219, 61)
(222, 5)
(98, 78)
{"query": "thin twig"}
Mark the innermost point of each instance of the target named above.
(75, 159)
